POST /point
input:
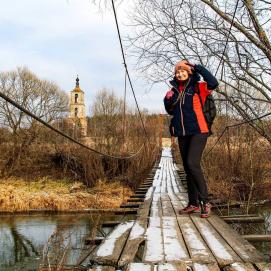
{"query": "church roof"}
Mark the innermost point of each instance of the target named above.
(77, 87)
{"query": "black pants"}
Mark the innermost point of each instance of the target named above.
(191, 149)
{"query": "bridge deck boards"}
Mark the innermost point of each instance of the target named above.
(102, 268)
(243, 248)
(173, 241)
(264, 266)
(198, 250)
(109, 251)
(159, 267)
(205, 267)
(239, 267)
(136, 237)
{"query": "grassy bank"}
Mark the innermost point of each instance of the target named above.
(59, 195)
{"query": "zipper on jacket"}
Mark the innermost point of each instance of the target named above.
(182, 102)
(182, 119)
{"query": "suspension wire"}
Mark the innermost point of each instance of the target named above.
(124, 108)
(227, 40)
(235, 125)
(64, 134)
(127, 72)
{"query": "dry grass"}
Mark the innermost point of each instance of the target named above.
(19, 195)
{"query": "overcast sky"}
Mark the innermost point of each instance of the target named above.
(58, 39)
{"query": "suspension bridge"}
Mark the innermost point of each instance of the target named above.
(159, 238)
(162, 239)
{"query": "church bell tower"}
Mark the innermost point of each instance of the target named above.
(78, 109)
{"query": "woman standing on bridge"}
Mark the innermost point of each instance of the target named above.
(185, 101)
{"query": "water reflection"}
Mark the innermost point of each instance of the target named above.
(26, 241)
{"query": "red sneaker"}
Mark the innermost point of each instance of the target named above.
(190, 209)
(205, 210)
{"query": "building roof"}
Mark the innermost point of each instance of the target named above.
(77, 86)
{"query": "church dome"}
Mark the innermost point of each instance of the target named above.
(77, 87)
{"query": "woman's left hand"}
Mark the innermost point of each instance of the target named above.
(190, 64)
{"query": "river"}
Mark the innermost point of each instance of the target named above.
(24, 237)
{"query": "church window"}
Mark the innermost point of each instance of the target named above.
(76, 112)
(76, 98)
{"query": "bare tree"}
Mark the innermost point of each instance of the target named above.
(41, 97)
(106, 122)
(169, 30)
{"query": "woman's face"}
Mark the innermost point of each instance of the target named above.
(182, 75)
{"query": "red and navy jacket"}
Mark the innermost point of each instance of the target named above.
(185, 104)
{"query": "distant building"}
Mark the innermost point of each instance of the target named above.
(78, 109)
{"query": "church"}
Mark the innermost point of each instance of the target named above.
(77, 112)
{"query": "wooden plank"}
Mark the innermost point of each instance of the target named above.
(156, 208)
(183, 197)
(235, 216)
(239, 267)
(137, 196)
(255, 219)
(243, 248)
(53, 267)
(176, 204)
(126, 211)
(144, 209)
(196, 246)
(171, 267)
(142, 189)
(102, 268)
(110, 223)
(154, 249)
(136, 237)
(223, 253)
(139, 267)
(109, 251)
(135, 200)
(146, 185)
(167, 208)
(93, 241)
(175, 186)
(205, 267)
(264, 266)
(257, 237)
(174, 246)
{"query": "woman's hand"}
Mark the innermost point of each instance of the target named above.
(169, 94)
(191, 65)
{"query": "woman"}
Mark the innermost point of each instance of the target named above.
(184, 101)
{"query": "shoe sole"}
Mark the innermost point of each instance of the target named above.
(204, 215)
(191, 212)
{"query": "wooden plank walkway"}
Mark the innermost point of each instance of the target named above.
(169, 241)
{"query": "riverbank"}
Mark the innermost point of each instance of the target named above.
(18, 195)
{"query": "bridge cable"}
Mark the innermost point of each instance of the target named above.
(124, 109)
(227, 40)
(64, 134)
(235, 125)
(127, 72)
